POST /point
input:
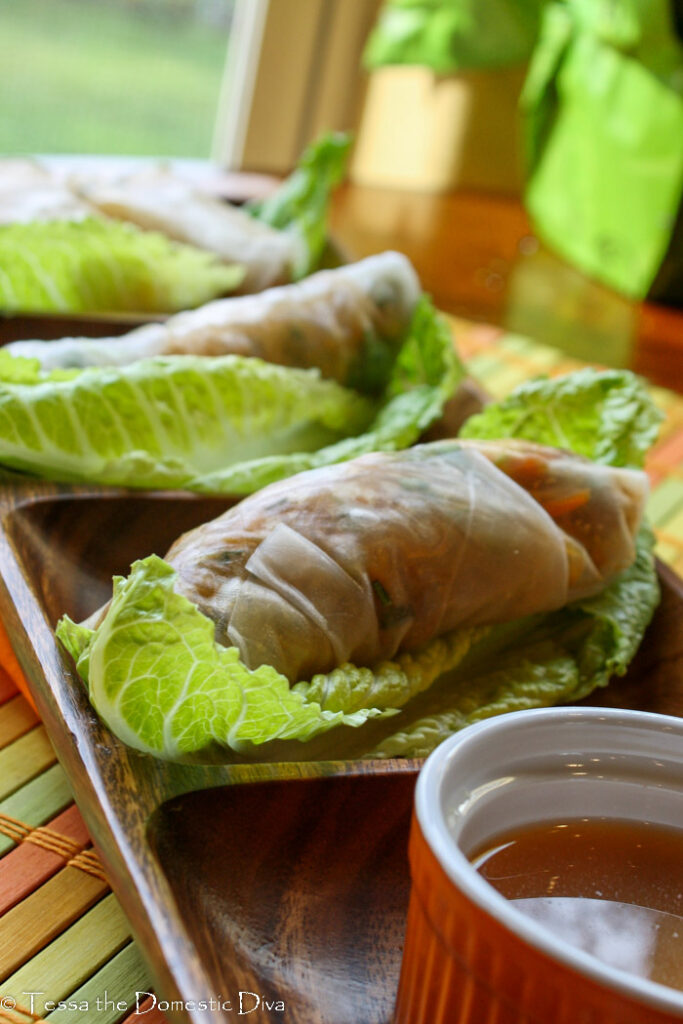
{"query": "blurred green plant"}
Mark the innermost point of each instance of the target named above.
(603, 105)
(454, 35)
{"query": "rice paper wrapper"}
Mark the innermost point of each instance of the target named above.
(603, 110)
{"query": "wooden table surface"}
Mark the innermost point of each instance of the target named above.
(477, 255)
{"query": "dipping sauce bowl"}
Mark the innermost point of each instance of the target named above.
(472, 957)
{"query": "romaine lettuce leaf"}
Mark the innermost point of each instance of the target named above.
(558, 659)
(105, 265)
(392, 683)
(159, 422)
(606, 415)
(19, 370)
(533, 662)
(226, 424)
(163, 685)
(300, 204)
(426, 373)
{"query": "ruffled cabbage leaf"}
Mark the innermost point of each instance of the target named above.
(225, 424)
(97, 265)
(300, 205)
(606, 415)
(161, 682)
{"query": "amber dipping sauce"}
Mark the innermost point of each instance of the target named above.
(613, 889)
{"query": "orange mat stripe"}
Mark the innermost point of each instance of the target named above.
(53, 841)
(669, 450)
(8, 687)
(68, 852)
(11, 666)
(42, 836)
(29, 865)
(20, 1015)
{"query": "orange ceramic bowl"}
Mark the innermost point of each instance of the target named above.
(471, 957)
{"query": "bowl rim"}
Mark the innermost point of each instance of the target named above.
(481, 893)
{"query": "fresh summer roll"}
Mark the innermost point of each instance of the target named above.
(163, 202)
(361, 560)
(346, 322)
(28, 192)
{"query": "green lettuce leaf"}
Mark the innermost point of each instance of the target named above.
(391, 684)
(162, 684)
(426, 373)
(464, 676)
(606, 415)
(160, 422)
(555, 659)
(226, 424)
(19, 370)
(301, 203)
(105, 265)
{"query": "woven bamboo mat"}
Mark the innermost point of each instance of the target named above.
(63, 936)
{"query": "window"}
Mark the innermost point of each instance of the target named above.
(248, 82)
(133, 77)
(294, 70)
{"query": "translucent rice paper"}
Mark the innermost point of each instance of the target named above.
(336, 320)
(361, 560)
(163, 202)
(28, 192)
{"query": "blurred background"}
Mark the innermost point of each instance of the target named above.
(133, 77)
(527, 154)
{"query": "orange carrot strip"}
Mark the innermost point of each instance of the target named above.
(558, 507)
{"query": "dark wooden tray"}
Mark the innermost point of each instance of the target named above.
(45, 326)
(286, 880)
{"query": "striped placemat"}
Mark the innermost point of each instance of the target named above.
(66, 952)
(63, 937)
